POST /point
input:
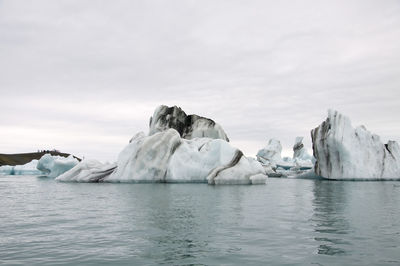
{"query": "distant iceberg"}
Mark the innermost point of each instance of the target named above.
(53, 166)
(179, 148)
(276, 166)
(270, 155)
(25, 169)
(344, 152)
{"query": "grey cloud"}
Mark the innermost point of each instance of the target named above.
(261, 69)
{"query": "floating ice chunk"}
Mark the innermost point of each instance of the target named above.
(53, 166)
(25, 169)
(344, 152)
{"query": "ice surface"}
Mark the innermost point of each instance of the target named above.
(25, 169)
(245, 171)
(145, 159)
(87, 171)
(194, 159)
(344, 152)
(53, 166)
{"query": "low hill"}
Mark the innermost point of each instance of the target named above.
(23, 158)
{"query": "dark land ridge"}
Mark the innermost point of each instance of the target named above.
(23, 158)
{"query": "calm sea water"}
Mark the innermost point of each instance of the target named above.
(286, 222)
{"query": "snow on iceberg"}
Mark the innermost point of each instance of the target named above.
(53, 166)
(25, 169)
(344, 152)
(177, 149)
(188, 126)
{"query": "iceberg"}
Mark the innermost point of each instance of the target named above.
(188, 126)
(25, 169)
(344, 152)
(177, 149)
(53, 166)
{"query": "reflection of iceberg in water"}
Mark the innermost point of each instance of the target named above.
(329, 218)
(174, 220)
(184, 224)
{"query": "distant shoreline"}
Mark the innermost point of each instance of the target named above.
(23, 158)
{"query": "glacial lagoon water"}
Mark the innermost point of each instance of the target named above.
(286, 222)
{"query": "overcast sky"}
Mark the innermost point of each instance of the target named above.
(85, 76)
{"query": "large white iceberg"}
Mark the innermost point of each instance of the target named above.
(53, 166)
(179, 148)
(25, 169)
(165, 157)
(344, 152)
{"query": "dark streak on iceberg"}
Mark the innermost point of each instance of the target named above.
(98, 177)
(235, 160)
